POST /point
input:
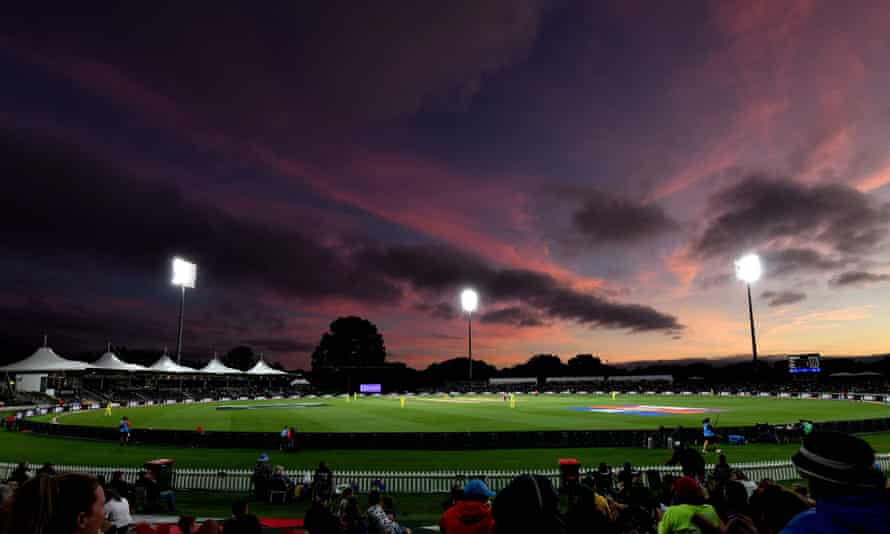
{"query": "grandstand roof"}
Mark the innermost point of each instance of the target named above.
(110, 361)
(45, 360)
(217, 367)
(262, 368)
(166, 365)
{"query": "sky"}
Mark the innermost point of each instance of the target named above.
(593, 169)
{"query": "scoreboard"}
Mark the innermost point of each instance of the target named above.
(805, 363)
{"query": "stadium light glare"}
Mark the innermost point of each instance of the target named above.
(748, 268)
(469, 300)
(185, 274)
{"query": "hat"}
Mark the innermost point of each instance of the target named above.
(477, 488)
(838, 459)
(686, 488)
(263, 458)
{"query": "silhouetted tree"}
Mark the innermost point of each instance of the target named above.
(457, 369)
(351, 342)
(240, 358)
(585, 365)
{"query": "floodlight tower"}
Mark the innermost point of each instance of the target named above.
(469, 301)
(748, 270)
(184, 275)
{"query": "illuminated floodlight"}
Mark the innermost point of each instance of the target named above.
(748, 268)
(469, 300)
(184, 273)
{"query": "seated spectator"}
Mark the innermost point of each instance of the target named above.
(690, 460)
(72, 503)
(118, 484)
(351, 518)
(626, 477)
(730, 499)
(456, 494)
(323, 482)
(378, 521)
(390, 511)
(588, 511)
(344, 500)
(241, 521)
(185, 525)
(750, 485)
(20, 474)
(280, 475)
(689, 501)
(722, 471)
(117, 511)
(772, 507)
(472, 513)
(605, 481)
(154, 495)
(47, 469)
(528, 504)
(262, 475)
(851, 495)
(319, 519)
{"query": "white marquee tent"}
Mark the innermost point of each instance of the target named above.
(216, 367)
(166, 365)
(45, 360)
(111, 362)
(262, 368)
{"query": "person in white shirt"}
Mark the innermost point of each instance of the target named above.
(117, 510)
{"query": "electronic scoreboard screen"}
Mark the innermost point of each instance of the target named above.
(371, 388)
(805, 363)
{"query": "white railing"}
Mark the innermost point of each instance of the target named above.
(238, 480)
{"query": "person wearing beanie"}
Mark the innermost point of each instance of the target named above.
(689, 501)
(850, 493)
(471, 514)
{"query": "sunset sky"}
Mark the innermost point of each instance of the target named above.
(592, 168)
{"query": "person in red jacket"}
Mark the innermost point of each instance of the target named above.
(471, 514)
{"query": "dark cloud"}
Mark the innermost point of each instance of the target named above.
(857, 278)
(323, 64)
(760, 211)
(783, 298)
(65, 208)
(440, 310)
(512, 315)
(279, 345)
(75, 327)
(608, 219)
(61, 204)
(437, 268)
(795, 260)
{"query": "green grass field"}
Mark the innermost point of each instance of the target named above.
(475, 414)
(457, 414)
(37, 449)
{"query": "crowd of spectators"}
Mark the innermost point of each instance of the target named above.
(846, 493)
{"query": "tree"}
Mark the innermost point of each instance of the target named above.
(351, 342)
(585, 365)
(242, 358)
(540, 366)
